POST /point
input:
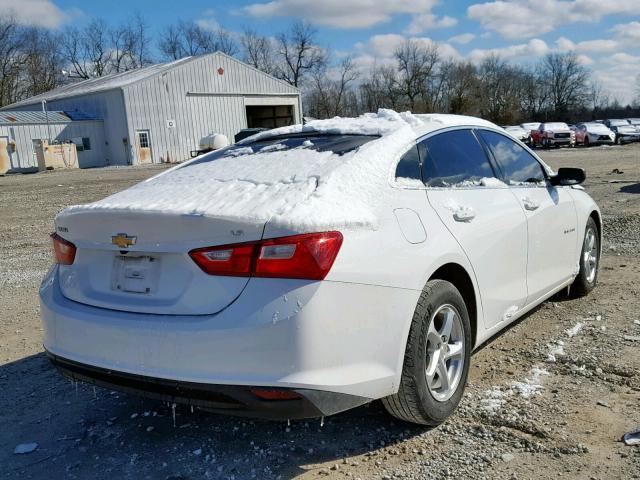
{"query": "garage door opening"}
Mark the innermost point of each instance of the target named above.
(265, 116)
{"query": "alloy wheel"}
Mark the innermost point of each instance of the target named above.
(590, 254)
(445, 352)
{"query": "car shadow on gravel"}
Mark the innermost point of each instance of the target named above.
(97, 433)
(635, 188)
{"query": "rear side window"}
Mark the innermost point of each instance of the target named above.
(455, 158)
(517, 165)
(409, 165)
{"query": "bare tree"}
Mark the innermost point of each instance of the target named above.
(381, 90)
(11, 60)
(459, 87)
(258, 51)
(567, 81)
(42, 61)
(137, 42)
(300, 55)
(186, 39)
(87, 50)
(416, 65)
(331, 94)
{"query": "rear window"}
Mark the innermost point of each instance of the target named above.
(338, 144)
(455, 157)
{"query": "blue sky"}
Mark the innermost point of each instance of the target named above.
(604, 33)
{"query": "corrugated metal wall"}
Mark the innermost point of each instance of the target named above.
(24, 134)
(207, 94)
(108, 106)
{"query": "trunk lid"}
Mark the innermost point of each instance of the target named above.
(139, 261)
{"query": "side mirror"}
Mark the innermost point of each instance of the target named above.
(569, 176)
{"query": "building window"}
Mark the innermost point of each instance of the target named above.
(86, 143)
(143, 139)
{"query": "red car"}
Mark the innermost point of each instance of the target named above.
(553, 134)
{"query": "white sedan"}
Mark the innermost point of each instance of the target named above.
(311, 269)
(520, 133)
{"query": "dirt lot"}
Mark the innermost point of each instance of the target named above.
(549, 398)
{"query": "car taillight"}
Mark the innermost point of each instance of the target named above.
(307, 256)
(64, 250)
(229, 260)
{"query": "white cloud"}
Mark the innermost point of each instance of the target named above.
(585, 60)
(341, 13)
(40, 13)
(429, 21)
(597, 46)
(533, 48)
(462, 39)
(380, 49)
(208, 22)
(529, 18)
(628, 31)
(384, 46)
(617, 75)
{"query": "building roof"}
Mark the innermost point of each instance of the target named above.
(119, 80)
(101, 84)
(9, 117)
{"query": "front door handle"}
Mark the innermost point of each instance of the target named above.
(530, 204)
(464, 214)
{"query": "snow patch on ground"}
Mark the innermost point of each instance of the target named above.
(532, 384)
(494, 399)
(573, 331)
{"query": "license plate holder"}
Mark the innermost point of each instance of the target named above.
(135, 274)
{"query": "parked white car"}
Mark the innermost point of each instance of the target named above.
(593, 133)
(519, 133)
(311, 269)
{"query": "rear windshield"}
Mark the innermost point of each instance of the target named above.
(339, 144)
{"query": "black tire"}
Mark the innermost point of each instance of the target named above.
(618, 140)
(586, 142)
(414, 401)
(583, 284)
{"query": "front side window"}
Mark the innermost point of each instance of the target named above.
(409, 165)
(455, 158)
(516, 164)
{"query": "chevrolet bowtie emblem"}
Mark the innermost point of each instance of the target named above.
(123, 240)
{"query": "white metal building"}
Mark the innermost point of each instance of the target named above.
(19, 130)
(160, 113)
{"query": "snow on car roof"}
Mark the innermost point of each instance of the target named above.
(299, 188)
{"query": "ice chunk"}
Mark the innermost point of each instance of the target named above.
(25, 448)
(573, 331)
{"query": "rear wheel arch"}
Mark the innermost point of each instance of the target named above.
(596, 218)
(460, 278)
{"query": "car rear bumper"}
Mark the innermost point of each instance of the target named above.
(335, 337)
(227, 399)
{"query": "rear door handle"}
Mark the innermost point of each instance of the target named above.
(530, 204)
(464, 214)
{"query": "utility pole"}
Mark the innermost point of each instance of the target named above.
(46, 114)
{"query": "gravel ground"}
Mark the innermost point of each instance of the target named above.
(549, 398)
